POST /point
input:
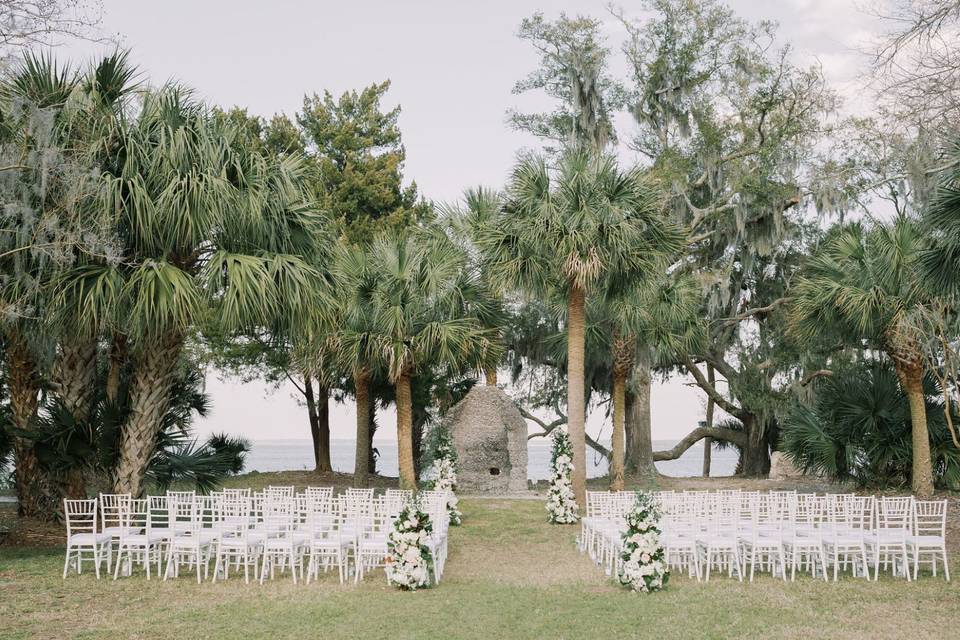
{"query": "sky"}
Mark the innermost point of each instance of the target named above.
(452, 64)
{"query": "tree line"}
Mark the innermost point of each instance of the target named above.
(799, 267)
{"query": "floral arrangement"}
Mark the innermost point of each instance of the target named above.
(409, 561)
(643, 564)
(561, 502)
(443, 471)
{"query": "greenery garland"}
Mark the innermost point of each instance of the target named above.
(409, 561)
(561, 502)
(643, 565)
(443, 470)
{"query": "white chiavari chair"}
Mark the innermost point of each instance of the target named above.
(929, 535)
(802, 536)
(281, 545)
(137, 540)
(326, 545)
(887, 541)
(764, 536)
(188, 544)
(844, 534)
(372, 543)
(239, 542)
(83, 536)
(719, 542)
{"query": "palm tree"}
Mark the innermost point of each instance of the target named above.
(93, 117)
(567, 228)
(407, 312)
(41, 189)
(210, 233)
(464, 225)
(355, 281)
(867, 283)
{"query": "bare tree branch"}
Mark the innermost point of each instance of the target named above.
(711, 390)
(549, 427)
(738, 438)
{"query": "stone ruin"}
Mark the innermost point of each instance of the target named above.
(490, 436)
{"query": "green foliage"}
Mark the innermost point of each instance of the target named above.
(573, 71)
(858, 428)
(412, 305)
(573, 225)
(866, 282)
(439, 445)
(203, 466)
(359, 156)
(941, 261)
(64, 444)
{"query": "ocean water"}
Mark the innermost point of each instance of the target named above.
(283, 455)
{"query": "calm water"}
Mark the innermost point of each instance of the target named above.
(281, 455)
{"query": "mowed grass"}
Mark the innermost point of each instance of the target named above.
(509, 575)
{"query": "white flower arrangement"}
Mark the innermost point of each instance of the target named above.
(561, 501)
(643, 561)
(409, 561)
(443, 472)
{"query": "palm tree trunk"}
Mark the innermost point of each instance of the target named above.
(361, 465)
(623, 348)
(313, 419)
(617, 448)
(910, 373)
(491, 376)
(76, 376)
(23, 385)
(408, 479)
(153, 376)
(576, 328)
(118, 358)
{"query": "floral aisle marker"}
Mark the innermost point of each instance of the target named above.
(443, 474)
(409, 562)
(562, 503)
(643, 564)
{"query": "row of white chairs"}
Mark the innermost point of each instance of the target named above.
(777, 531)
(260, 532)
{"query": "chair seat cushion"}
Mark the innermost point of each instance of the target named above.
(87, 539)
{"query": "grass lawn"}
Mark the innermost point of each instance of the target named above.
(509, 575)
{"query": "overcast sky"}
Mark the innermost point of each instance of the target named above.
(452, 64)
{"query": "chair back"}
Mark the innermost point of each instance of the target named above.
(110, 504)
(80, 516)
(930, 518)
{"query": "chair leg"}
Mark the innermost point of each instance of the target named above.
(116, 569)
(946, 564)
(216, 564)
(66, 563)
